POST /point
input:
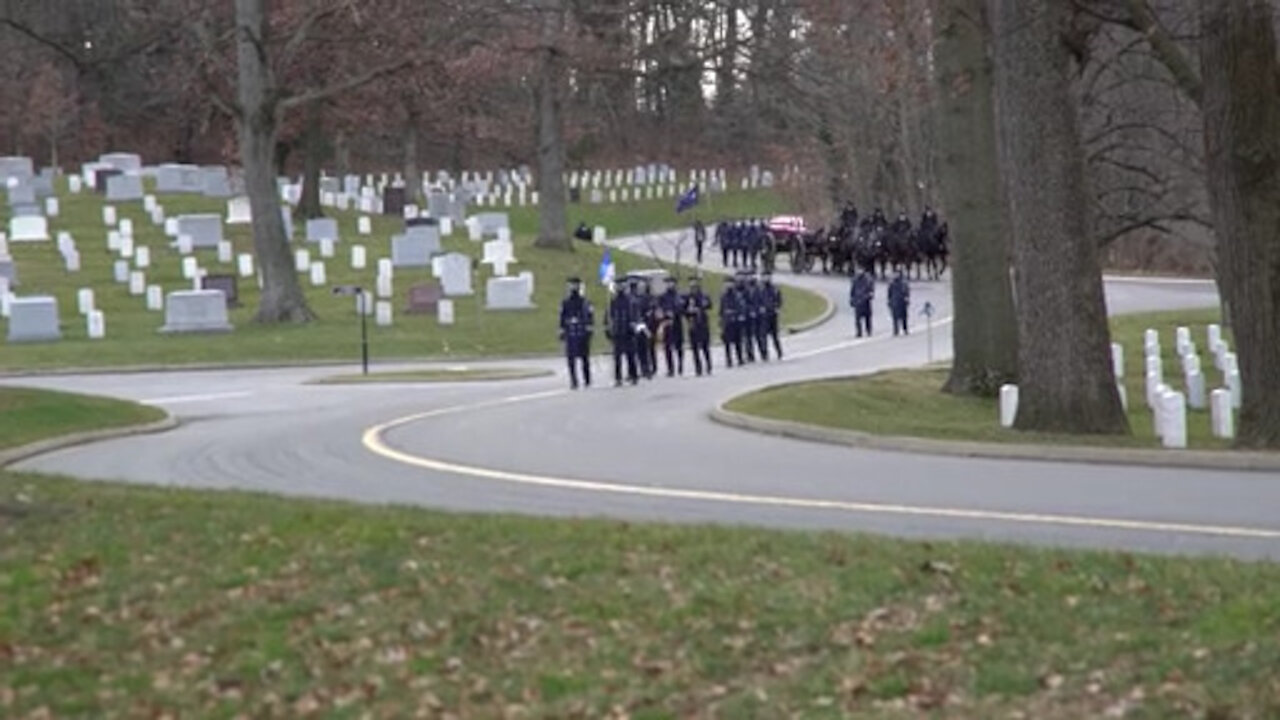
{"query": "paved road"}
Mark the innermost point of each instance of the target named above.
(649, 453)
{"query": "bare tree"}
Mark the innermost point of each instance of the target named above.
(1242, 147)
(553, 222)
(1064, 367)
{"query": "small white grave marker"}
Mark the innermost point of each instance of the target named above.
(137, 283)
(444, 311)
(120, 271)
(1117, 360)
(245, 264)
(384, 286)
(126, 227)
(155, 298)
(384, 267)
(364, 225)
(109, 215)
(326, 248)
(51, 207)
(186, 245)
(1223, 416)
(1174, 422)
(383, 313)
(1195, 389)
(225, 252)
(72, 260)
(1008, 405)
(359, 257)
(302, 260)
(126, 246)
(318, 276)
(113, 240)
(189, 268)
(142, 257)
(84, 301)
(97, 325)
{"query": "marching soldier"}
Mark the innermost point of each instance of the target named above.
(749, 314)
(671, 327)
(899, 300)
(731, 314)
(771, 302)
(620, 329)
(861, 294)
(722, 239)
(699, 238)
(697, 308)
(577, 321)
(647, 329)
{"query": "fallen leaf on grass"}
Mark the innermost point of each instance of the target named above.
(1051, 681)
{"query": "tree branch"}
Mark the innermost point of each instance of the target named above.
(350, 83)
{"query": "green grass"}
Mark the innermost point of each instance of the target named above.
(435, 376)
(132, 337)
(28, 416)
(910, 403)
(126, 602)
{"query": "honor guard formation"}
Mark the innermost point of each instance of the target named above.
(640, 321)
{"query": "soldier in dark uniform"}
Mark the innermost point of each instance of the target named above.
(754, 238)
(699, 238)
(697, 308)
(899, 300)
(861, 294)
(771, 302)
(878, 220)
(646, 324)
(671, 324)
(730, 322)
(722, 239)
(577, 322)
(750, 315)
(620, 329)
(902, 226)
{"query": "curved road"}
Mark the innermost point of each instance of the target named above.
(650, 453)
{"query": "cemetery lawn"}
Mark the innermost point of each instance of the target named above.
(131, 331)
(436, 376)
(128, 601)
(28, 416)
(910, 402)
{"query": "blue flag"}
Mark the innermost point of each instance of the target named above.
(688, 200)
(607, 269)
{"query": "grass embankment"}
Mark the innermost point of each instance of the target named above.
(132, 337)
(909, 402)
(28, 416)
(440, 375)
(127, 601)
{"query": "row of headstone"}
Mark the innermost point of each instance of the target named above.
(1165, 407)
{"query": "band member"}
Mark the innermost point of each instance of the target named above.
(577, 321)
(671, 327)
(697, 306)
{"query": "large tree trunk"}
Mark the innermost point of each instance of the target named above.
(282, 299)
(412, 173)
(985, 332)
(1242, 151)
(313, 148)
(553, 221)
(1064, 365)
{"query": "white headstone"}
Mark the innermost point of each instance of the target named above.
(74, 184)
(302, 260)
(444, 311)
(193, 311)
(364, 225)
(51, 207)
(446, 226)
(384, 286)
(155, 298)
(142, 257)
(71, 258)
(1222, 414)
(28, 228)
(1151, 337)
(239, 211)
(205, 229)
(599, 235)
(1233, 384)
(189, 267)
(126, 246)
(109, 215)
(126, 227)
(185, 245)
(1195, 389)
(33, 319)
(326, 248)
(137, 283)
(1008, 405)
(455, 274)
(148, 203)
(120, 271)
(359, 257)
(96, 324)
(244, 263)
(1157, 409)
(1174, 422)
(1155, 365)
(318, 275)
(1214, 332)
(1182, 339)
(383, 314)
(320, 228)
(84, 301)
(114, 240)
(385, 267)
(508, 293)
(1117, 359)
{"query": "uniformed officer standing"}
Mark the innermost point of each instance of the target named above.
(731, 322)
(620, 329)
(577, 322)
(697, 308)
(771, 303)
(647, 329)
(699, 238)
(671, 322)
(899, 300)
(722, 239)
(860, 297)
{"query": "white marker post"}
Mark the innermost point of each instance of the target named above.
(1008, 405)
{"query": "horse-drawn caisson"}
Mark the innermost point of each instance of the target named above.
(871, 243)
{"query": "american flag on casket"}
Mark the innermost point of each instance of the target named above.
(789, 224)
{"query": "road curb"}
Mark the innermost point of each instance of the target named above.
(822, 319)
(41, 447)
(1242, 461)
